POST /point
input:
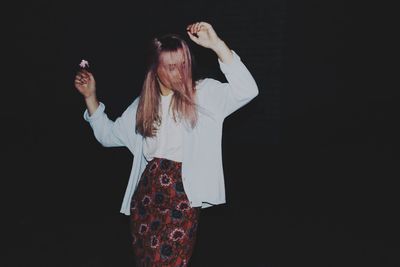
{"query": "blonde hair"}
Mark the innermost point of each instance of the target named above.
(183, 104)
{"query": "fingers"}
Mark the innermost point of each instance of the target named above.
(89, 75)
(193, 37)
(84, 74)
(196, 27)
(189, 29)
(205, 24)
(83, 77)
(80, 80)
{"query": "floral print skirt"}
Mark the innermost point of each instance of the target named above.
(163, 225)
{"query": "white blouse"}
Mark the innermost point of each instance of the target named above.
(202, 170)
(169, 138)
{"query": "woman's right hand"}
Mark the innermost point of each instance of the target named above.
(85, 83)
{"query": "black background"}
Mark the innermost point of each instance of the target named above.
(316, 185)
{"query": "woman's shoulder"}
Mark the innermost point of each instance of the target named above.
(199, 83)
(209, 94)
(135, 102)
(132, 108)
(206, 83)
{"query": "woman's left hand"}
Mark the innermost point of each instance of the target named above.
(202, 33)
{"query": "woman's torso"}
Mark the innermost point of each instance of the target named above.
(168, 141)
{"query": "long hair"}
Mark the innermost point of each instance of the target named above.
(169, 62)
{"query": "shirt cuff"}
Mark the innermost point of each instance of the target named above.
(227, 68)
(100, 109)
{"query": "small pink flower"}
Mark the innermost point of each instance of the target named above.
(84, 64)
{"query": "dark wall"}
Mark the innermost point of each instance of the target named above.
(320, 140)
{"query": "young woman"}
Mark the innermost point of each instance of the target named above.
(174, 131)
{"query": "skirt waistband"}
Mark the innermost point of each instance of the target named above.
(160, 160)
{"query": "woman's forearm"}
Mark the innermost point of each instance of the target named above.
(223, 52)
(92, 104)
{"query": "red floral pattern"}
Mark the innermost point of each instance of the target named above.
(163, 225)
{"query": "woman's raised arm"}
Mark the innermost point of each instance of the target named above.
(241, 87)
(109, 133)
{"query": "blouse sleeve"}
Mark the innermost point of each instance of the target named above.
(116, 133)
(240, 89)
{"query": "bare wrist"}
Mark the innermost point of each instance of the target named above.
(218, 46)
(223, 52)
(90, 97)
(92, 104)
(92, 101)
